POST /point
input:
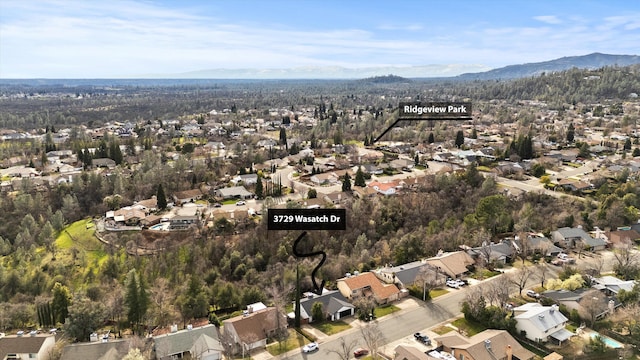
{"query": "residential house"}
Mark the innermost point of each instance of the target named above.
(104, 163)
(540, 323)
(182, 222)
(234, 192)
(24, 347)
(334, 305)
(364, 192)
(405, 352)
(405, 275)
(413, 182)
(500, 253)
(110, 350)
(574, 185)
(335, 198)
(611, 285)
(490, 344)
(444, 157)
(402, 164)
(150, 220)
(266, 143)
(542, 245)
(214, 146)
(251, 329)
(623, 237)
(576, 238)
(572, 300)
(325, 178)
(246, 179)
(195, 343)
(371, 169)
(314, 203)
(367, 285)
(127, 215)
(386, 188)
(147, 205)
(187, 196)
(453, 264)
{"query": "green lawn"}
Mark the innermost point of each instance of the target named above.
(295, 340)
(385, 310)
(80, 237)
(482, 274)
(469, 328)
(437, 292)
(333, 327)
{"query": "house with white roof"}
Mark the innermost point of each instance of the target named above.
(611, 285)
(540, 323)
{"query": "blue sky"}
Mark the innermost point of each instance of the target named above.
(127, 38)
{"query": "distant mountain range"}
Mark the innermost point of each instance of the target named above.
(452, 71)
(591, 61)
(325, 72)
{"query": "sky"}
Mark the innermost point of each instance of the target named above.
(132, 38)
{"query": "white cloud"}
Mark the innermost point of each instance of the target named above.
(123, 38)
(549, 19)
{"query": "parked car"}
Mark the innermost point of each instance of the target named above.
(533, 294)
(310, 347)
(240, 203)
(460, 282)
(360, 352)
(217, 205)
(453, 284)
(422, 338)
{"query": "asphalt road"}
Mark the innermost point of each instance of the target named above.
(395, 326)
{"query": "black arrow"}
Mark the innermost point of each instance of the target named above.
(318, 289)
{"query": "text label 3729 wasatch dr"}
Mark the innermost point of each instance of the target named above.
(307, 219)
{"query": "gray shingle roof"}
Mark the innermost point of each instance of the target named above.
(332, 301)
(181, 341)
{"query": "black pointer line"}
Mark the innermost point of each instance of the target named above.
(318, 289)
(418, 119)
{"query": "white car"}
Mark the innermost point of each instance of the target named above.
(310, 347)
(453, 284)
(533, 294)
(240, 203)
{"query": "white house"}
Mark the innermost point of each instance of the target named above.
(539, 323)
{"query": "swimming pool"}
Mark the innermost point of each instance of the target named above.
(608, 341)
(161, 226)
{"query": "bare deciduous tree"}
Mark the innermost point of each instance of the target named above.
(373, 337)
(498, 291)
(592, 304)
(542, 270)
(279, 291)
(429, 278)
(627, 260)
(345, 349)
(520, 278)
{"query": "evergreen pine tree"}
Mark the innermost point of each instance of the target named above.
(571, 133)
(346, 183)
(431, 139)
(459, 138)
(259, 189)
(161, 198)
(359, 181)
